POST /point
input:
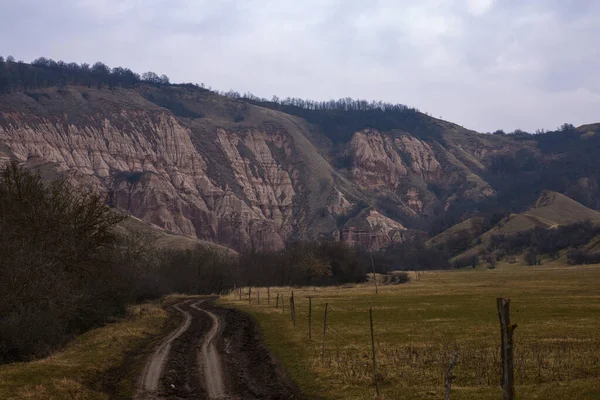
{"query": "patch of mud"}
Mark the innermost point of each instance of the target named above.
(251, 372)
(247, 368)
(182, 378)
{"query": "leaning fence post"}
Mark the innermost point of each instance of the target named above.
(324, 332)
(449, 377)
(309, 318)
(506, 349)
(373, 348)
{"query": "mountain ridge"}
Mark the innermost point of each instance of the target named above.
(247, 176)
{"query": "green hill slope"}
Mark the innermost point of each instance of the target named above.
(551, 210)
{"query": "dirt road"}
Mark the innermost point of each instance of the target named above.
(209, 359)
(215, 353)
(154, 366)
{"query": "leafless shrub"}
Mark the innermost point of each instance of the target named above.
(53, 278)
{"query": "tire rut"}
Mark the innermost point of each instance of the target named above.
(215, 354)
(154, 367)
(210, 360)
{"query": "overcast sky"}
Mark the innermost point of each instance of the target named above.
(484, 64)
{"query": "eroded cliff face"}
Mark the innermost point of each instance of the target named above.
(241, 192)
(408, 167)
(385, 160)
(376, 161)
(195, 163)
(267, 186)
(372, 230)
(145, 162)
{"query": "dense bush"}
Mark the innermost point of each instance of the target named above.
(582, 257)
(531, 257)
(201, 270)
(55, 278)
(463, 262)
(395, 278)
(414, 255)
(304, 263)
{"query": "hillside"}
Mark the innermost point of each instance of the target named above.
(470, 225)
(223, 170)
(161, 239)
(551, 211)
(250, 173)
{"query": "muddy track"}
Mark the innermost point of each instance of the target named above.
(210, 360)
(215, 353)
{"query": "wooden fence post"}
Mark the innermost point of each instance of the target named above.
(449, 376)
(277, 302)
(258, 294)
(374, 357)
(293, 309)
(268, 295)
(506, 349)
(309, 318)
(240, 292)
(249, 294)
(324, 332)
(283, 303)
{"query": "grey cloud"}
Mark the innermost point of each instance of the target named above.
(483, 64)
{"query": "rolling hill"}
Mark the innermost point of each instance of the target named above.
(551, 210)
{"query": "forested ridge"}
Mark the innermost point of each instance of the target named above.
(43, 72)
(340, 118)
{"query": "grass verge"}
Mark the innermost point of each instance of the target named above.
(99, 364)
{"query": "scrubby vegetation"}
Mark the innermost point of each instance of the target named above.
(568, 166)
(64, 270)
(304, 264)
(56, 275)
(412, 255)
(538, 241)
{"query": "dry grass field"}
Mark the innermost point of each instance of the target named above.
(420, 324)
